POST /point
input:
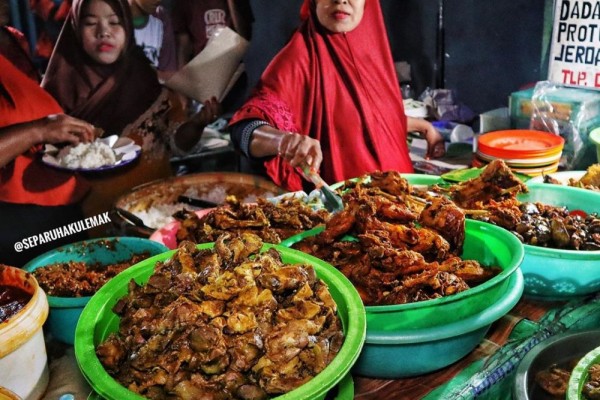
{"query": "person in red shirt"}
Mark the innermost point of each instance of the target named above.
(34, 197)
(330, 99)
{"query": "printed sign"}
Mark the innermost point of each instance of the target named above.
(575, 50)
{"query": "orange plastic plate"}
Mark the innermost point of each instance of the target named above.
(519, 144)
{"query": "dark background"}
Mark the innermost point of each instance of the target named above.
(492, 47)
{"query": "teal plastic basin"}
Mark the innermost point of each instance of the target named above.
(410, 352)
(65, 311)
(554, 273)
(98, 321)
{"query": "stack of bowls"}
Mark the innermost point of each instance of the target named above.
(554, 274)
(435, 333)
(65, 311)
(98, 321)
(417, 338)
(528, 152)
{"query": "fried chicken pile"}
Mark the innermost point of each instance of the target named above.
(271, 222)
(590, 180)
(224, 323)
(496, 183)
(405, 249)
(495, 193)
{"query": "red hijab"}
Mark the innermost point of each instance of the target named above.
(340, 89)
(108, 96)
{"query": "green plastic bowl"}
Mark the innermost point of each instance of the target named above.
(486, 243)
(65, 311)
(410, 352)
(553, 273)
(580, 374)
(98, 321)
(413, 179)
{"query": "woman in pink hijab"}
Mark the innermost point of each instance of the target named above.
(330, 100)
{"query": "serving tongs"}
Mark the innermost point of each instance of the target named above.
(133, 219)
(331, 200)
(196, 202)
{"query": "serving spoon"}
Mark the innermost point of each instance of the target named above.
(331, 200)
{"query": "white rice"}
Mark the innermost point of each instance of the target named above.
(160, 215)
(89, 155)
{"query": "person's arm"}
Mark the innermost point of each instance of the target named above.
(435, 142)
(58, 128)
(190, 132)
(184, 48)
(241, 17)
(167, 59)
(258, 139)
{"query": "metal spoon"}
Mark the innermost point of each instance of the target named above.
(331, 200)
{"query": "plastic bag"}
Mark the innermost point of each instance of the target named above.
(561, 111)
(444, 105)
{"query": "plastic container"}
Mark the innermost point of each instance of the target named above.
(410, 352)
(580, 374)
(23, 358)
(561, 350)
(65, 311)
(554, 273)
(98, 321)
(595, 139)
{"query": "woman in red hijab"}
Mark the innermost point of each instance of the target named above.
(330, 99)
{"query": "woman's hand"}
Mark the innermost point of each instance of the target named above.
(209, 113)
(436, 146)
(300, 150)
(57, 128)
(296, 149)
(62, 128)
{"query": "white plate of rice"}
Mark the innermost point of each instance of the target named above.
(100, 155)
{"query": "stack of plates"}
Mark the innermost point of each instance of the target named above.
(525, 151)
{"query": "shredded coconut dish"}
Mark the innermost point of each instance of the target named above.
(89, 155)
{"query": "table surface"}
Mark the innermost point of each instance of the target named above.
(66, 378)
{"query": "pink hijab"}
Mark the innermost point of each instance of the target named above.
(340, 89)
